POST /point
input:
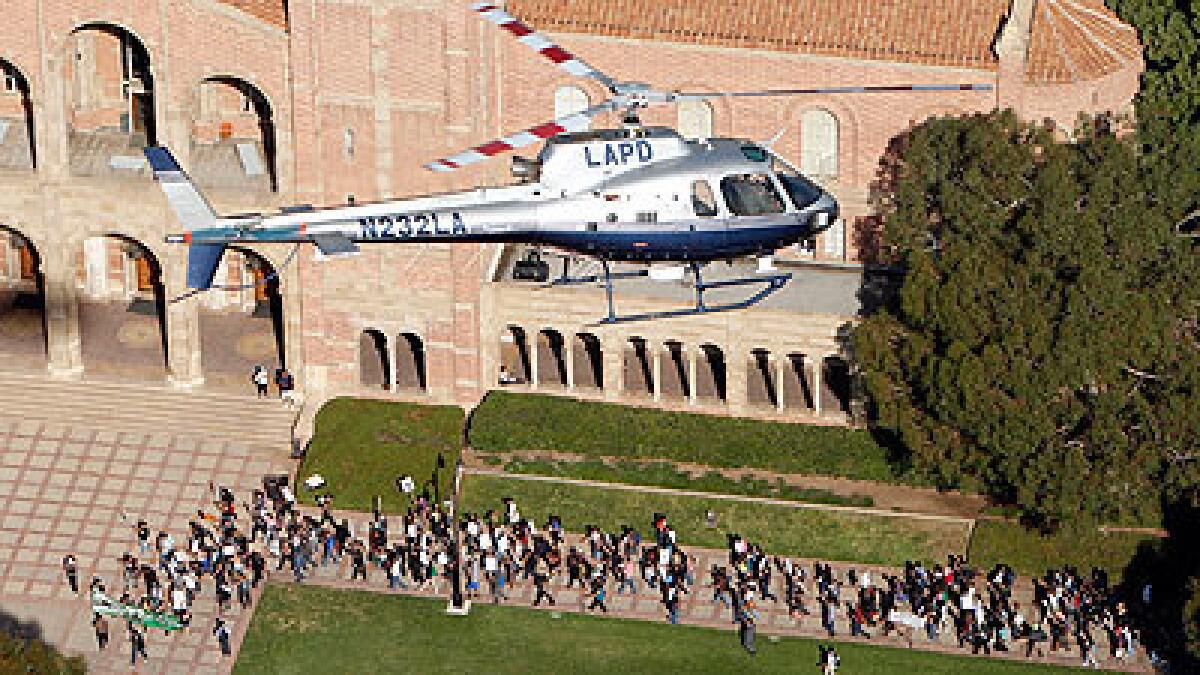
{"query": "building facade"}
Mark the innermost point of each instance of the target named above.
(270, 103)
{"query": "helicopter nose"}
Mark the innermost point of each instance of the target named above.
(827, 213)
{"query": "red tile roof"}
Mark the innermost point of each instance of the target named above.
(1078, 40)
(1072, 39)
(272, 11)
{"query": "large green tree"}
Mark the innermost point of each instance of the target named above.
(1043, 343)
(1168, 105)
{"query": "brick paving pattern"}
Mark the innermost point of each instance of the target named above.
(72, 490)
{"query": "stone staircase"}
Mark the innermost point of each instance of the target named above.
(260, 423)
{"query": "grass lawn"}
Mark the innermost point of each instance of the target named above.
(664, 474)
(362, 445)
(302, 629)
(507, 422)
(779, 529)
(1032, 553)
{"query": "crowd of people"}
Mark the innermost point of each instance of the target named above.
(1068, 611)
(230, 548)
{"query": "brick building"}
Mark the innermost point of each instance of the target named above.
(270, 103)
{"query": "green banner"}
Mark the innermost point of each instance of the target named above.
(101, 604)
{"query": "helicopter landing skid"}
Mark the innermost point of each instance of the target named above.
(771, 283)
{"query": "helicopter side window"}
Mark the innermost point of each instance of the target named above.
(752, 194)
(704, 202)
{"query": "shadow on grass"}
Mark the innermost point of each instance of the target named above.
(1167, 565)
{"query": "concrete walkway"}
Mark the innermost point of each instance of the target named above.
(78, 487)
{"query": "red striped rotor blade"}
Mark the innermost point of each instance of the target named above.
(492, 11)
(579, 121)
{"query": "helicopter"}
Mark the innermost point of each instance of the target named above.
(635, 193)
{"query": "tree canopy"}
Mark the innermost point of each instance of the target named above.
(1043, 344)
(1168, 104)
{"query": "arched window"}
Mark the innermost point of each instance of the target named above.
(695, 119)
(570, 100)
(819, 144)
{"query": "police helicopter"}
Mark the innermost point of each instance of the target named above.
(635, 193)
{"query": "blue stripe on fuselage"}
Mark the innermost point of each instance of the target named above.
(676, 245)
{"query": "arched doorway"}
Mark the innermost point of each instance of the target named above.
(410, 363)
(110, 101)
(762, 389)
(710, 374)
(374, 367)
(516, 366)
(17, 146)
(241, 320)
(675, 381)
(551, 359)
(122, 309)
(639, 368)
(588, 361)
(22, 303)
(836, 385)
(233, 138)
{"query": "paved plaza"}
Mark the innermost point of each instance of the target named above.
(66, 489)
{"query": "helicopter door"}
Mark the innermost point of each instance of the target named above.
(708, 230)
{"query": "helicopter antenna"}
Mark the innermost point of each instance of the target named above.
(774, 139)
(628, 97)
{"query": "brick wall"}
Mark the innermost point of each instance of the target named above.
(363, 93)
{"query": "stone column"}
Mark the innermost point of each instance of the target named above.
(531, 344)
(184, 357)
(691, 355)
(780, 372)
(50, 121)
(737, 381)
(656, 374)
(612, 353)
(64, 345)
(818, 363)
(569, 355)
(393, 361)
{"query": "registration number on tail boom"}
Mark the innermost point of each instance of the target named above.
(407, 225)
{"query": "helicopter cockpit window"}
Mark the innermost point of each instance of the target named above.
(704, 202)
(802, 191)
(752, 194)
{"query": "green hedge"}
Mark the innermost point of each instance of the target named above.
(1029, 552)
(780, 530)
(664, 474)
(361, 445)
(507, 422)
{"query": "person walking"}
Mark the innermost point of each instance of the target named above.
(100, 624)
(221, 631)
(746, 631)
(598, 593)
(541, 576)
(828, 660)
(261, 380)
(71, 569)
(137, 645)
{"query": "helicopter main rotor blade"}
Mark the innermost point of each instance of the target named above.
(541, 44)
(577, 122)
(873, 89)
